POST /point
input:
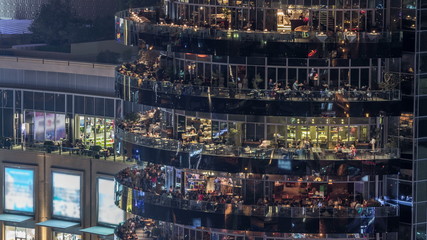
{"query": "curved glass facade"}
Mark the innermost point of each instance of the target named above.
(264, 96)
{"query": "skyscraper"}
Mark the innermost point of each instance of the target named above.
(28, 9)
(247, 120)
(268, 119)
(412, 138)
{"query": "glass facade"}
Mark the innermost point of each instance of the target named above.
(347, 80)
(66, 236)
(282, 15)
(313, 72)
(19, 233)
(95, 130)
(35, 117)
(413, 23)
(308, 87)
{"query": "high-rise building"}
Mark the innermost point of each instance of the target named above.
(28, 9)
(413, 70)
(247, 120)
(271, 119)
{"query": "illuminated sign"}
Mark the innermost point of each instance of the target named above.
(66, 195)
(19, 189)
(108, 212)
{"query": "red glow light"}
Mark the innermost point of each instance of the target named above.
(312, 52)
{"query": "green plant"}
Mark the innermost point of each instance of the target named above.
(390, 81)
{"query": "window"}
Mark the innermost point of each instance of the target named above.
(421, 212)
(423, 22)
(422, 130)
(423, 63)
(421, 191)
(14, 233)
(66, 236)
(422, 149)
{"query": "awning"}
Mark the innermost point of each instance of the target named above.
(14, 218)
(57, 224)
(97, 230)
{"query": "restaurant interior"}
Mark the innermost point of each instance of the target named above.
(325, 137)
(358, 16)
(251, 189)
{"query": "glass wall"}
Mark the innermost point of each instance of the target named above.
(252, 189)
(19, 233)
(66, 236)
(34, 117)
(253, 72)
(288, 15)
(44, 126)
(7, 104)
(95, 130)
(285, 132)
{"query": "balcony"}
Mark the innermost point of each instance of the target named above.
(236, 159)
(281, 102)
(186, 37)
(139, 227)
(257, 217)
(162, 230)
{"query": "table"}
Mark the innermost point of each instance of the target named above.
(189, 135)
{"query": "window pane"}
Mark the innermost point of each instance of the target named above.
(421, 191)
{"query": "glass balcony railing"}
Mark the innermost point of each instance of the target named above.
(161, 230)
(305, 34)
(167, 87)
(89, 153)
(282, 211)
(253, 152)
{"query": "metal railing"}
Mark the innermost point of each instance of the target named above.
(167, 87)
(182, 30)
(71, 151)
(253, 152)
(258, 210)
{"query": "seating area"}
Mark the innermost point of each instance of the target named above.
(143, 77)
(137, 228)
(209, 191)
(296, 30)
(147, 129)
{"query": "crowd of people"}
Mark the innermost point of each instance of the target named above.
(137, 69)
(152, 179)
(148, 179)
(128, 229)
(327, 202)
